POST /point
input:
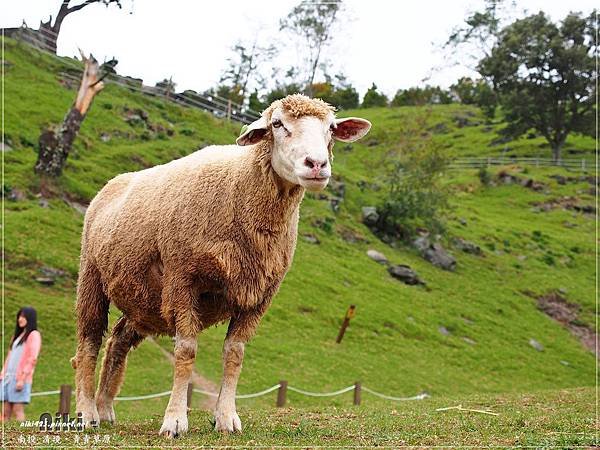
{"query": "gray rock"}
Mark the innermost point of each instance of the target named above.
(377, 256)
(405, 274)
(5, 147)
(467, 246)
(105, 137)
(311, 238)
(469, 340)
(15, 195)
(335, 203)
(522, 257)
(46, 281)
(565, 363)
(422, 243)
(338, 188)
(535, 344)
(462, 221)
(44, 203)
(370, 215)
(438, 256)
(444, 331)
(435, 253)
(52, 272)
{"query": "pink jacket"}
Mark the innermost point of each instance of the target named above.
(26, 366)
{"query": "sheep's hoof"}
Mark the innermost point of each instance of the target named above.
(174, 425)
(228, 422)
(89, 412)
(106, 413)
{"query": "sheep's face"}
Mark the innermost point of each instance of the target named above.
(301, 146)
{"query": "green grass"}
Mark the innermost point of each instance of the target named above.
(393, 345)
(544, 419)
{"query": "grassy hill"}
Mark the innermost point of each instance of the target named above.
(467, 333)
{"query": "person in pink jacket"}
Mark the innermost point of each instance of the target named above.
(17, 373)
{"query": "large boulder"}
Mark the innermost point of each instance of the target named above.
(370, 216)
(467, 246)
(435, 253)
(338, 188)
(405, 274)
(377, 256)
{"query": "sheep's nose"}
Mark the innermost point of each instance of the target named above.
(312, 163)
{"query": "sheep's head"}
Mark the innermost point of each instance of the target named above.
(300, 132)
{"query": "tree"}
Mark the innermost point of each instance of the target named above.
(313, 21)
(544, 76)
(416, 96)
(475, 92)
(476, 37)
(242, 72)
(336, 91)
(50, 31)
(55, 145)
(373, 99)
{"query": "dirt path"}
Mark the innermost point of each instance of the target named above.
(208, 402)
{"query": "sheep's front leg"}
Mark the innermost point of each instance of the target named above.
(241, 329)
(175, 421)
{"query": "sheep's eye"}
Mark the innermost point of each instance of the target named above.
(277, 123)
(332, 127)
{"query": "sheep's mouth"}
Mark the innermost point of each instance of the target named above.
(315, 178)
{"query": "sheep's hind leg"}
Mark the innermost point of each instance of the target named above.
(92, 321)
(241, 328)
(122, 338)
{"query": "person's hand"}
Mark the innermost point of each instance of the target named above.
(19, 386)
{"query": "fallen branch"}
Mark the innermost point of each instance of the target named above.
(460, 408)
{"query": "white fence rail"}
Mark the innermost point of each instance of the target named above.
(583, 164)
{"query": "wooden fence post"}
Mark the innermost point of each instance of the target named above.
(281, 393)
(190, 391)
(64, 404)
(357, 388)
(345, 323)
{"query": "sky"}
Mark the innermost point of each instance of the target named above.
(393, 43)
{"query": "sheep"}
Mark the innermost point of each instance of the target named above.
(195, 242)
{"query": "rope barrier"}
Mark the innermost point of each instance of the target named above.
(260, 393)
(321, 394)
(41, 394)
(143, 397)
(421, 396)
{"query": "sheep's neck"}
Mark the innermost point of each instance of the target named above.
(272, 201)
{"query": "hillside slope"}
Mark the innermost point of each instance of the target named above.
(469, 331)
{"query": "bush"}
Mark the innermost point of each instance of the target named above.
(484, 176)
(416, 197)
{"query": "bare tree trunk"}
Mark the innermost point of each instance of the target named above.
(54, 146)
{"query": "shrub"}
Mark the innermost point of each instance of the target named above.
(484, 176)
(416, 197)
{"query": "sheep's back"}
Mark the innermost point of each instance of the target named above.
(135, 210)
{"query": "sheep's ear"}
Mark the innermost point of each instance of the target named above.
(253, 133)
(350, 129)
